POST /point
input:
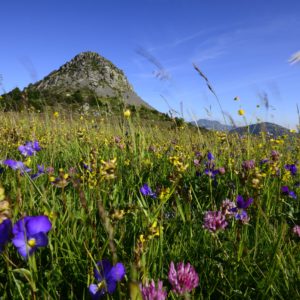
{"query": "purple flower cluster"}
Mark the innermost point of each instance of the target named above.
(147, 191)
(16, 165)
(107, 277)
(183, 278)
(29, 233)
(5, 233)
(287, 192)
(214, 221)
(210, 166)
(240, 209)
(150, 292)
(30, 148)
(292, 168)
(248, 165)
(217, 220)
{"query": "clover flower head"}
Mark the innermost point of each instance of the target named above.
(214, 221)
(5, 233)
(107, 277)
(30, 233)
(183, 278)
(30, 148)
(248, 164)
(147, 191)
(151, 292)
(296, 230)
(227, 206)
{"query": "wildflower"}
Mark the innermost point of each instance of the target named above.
(292, 168)
(56, 114)
(241, 112)
(227, 207)
(210, 156)
(196, 162)
(107, 277)
(146, 191)
(5, 211)
(41, 170)
(127, 113)
(214, 221)
(183, 279)
(5, 232)
(30, 233)
(221, 170)
(30, 148)
(150, 292)
(248, 164)
(16, 165)
(275, 155)
(108, 169)
(296, 230)
(240, 209)
(154, 230)
(286, 191)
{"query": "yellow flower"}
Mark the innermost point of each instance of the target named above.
(241, 112)
(56, 114)
(28, 162)
(127, 113)
(293, 130)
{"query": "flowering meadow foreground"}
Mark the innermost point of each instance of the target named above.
(92, 208)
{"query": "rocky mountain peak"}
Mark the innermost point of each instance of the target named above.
(89, 71)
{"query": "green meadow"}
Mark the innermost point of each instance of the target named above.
(146, 194)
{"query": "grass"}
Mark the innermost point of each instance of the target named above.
(101, 213)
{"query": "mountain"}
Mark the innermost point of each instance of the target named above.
(270, 128)
(88, 77)
(213, 125)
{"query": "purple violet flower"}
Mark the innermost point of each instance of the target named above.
(240, 209)
(41, 170)
(214, 221)
(211, 172)
(210, 156)
(146, 191)
(30, 148)
(16, 165)
(286, 191)
(107, 277)
(30, 233)
(150, 292)
(5, 233)
(183, 279)
(292, 168)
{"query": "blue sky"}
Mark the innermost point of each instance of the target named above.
(243, 47)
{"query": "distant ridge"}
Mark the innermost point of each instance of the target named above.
(213, 125)
(270, 128)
